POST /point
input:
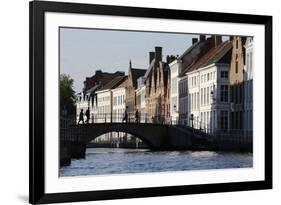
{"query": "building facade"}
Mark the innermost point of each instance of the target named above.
(133, 75)
(203, 87)
(175, 69)
(101, 78)
(236, 83)
(248, 86)
(140, 100)
(157, 83)
(87, 98)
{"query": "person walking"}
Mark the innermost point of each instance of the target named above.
(125, 118)
(87, 115)
(137, 116)
(81, 117)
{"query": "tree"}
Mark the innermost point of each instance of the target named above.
(67, 95)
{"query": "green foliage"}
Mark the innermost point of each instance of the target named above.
(67, 94)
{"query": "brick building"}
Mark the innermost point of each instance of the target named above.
(236, 83)
(157, 83)
(133, 75)
(100, 78)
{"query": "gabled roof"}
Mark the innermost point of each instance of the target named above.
(136, 73)
(124, 83)
(190, 49)
(114, 83)
(214, 55)
(93, 89)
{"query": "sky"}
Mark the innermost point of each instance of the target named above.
(83, 51)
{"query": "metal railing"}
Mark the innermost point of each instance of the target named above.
(119, 117)
(67, 130)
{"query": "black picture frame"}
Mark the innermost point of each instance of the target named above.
(37, 10)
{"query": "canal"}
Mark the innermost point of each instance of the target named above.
(102, 161)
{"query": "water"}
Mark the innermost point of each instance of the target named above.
(102, 161)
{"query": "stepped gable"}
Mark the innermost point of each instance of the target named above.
(137, 73)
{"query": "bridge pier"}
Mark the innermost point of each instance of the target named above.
(71, 150)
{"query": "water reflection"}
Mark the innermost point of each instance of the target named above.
(116, 161)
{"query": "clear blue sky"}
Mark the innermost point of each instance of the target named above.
(82, 51)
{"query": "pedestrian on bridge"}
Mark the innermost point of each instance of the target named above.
(137, 116)
(125, 118)
(81, 117)
(87, 115)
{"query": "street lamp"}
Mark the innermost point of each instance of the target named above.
(192, 119)
(175, 111)
(213, 95)
(213, 108)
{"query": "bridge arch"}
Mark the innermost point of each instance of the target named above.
(153, 135)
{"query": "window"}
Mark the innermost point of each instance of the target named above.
(208, 77)
(201, 120)
(224, 93)
(237, 44)
(251, 61)
(240, 93)
(191, 102)
(198, 100)
(204, 96)
(236, 66)
(208, 95)
(224, 74)
(232, 94)
(224, 120)
(195, 101)
(201, 96)
(208, 120)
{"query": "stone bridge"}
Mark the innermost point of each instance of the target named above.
(156, 136)
(74, 138)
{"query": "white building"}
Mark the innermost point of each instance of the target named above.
(104, 106)
(183, 110)
(175, 69)
(111, 104)
(140, 100)
(118, 108)
(204, 90)
(119, 104)
(248, 85)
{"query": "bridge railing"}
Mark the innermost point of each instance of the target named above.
(120, 117)
(67, 130)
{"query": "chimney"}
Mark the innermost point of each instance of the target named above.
(151, 56)
(168, 59)
(202, 37)
(194, 40)
(218, 40)
(98, 72)
(158, 54)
